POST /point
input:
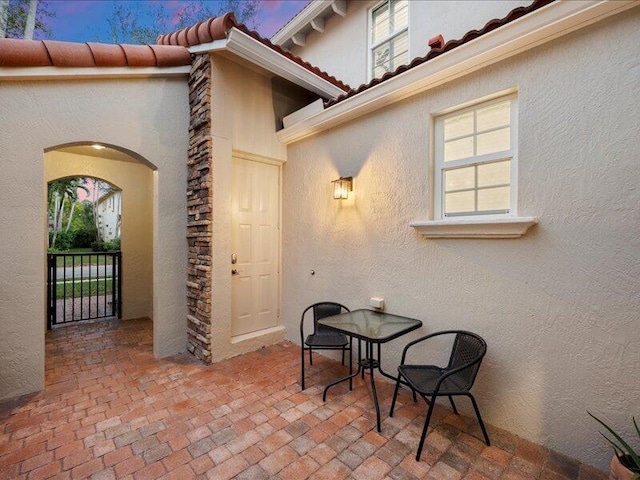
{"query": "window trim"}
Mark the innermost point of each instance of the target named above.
(371, 46)
(439, 164)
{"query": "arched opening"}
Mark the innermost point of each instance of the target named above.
(116, 189)
(84, 258)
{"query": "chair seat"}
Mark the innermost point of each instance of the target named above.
(327, 339)
(424, 378)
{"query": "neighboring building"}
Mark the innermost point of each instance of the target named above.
(494, 188)
(108, 208)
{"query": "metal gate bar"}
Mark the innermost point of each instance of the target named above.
(67, 298)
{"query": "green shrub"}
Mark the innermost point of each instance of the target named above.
(112, 245)
(83, 238)
(98, 246)
(64, 241)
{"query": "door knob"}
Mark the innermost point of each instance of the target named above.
(235, 272)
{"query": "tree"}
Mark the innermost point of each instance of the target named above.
(24, 18)
(4, 13)
(63, 193)
(30, 24)
(142, 22)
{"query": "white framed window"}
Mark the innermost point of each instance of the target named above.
(389, 37)
(476, 160)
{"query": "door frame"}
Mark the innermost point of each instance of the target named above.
(242, 155)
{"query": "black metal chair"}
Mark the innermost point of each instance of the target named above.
(457, 378)
(323, 338)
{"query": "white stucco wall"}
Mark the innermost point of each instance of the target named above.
(558, 307)
(109, 210)
(148, 116)
(342, 48)
(136, 182)
(243, 124)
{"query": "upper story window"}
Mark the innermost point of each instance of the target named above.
(476, 160)
(389, 36)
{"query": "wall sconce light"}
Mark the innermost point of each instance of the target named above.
(342, 187)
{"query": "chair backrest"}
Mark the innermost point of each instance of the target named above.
(467, 348)
(322, 310)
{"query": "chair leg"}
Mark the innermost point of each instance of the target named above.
(484, 430)
(453, 405)
(395, 395)
(310, 357)
(426, 427)
(302, 365)
(415, 398)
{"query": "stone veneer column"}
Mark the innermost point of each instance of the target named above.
(199, 209)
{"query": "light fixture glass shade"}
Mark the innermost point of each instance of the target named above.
(342, 187)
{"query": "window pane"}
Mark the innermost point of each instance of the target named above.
(494, 116)
(459, 179)
(459, 202)
(498, 173)
(380, 17)
(400, 50)
(400, 18)
(494, 199)
(458, 126)
(457, 149)
(496, 141)
(381, 59)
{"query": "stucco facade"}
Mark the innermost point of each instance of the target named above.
(557, 307)
(342, 48)
(242, 126)
(147, 116)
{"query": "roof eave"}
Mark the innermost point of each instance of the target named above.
(315, 9)
(248, 48)
(538, 27)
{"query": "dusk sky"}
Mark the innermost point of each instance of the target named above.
(84, 20)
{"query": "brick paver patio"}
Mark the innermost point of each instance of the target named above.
(110, 410)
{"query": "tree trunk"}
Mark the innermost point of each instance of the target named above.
(56, 213)
(30, 26)
(73, 207)
(4, 14)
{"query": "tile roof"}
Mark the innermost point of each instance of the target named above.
(50, 53)
(217, 28)
(438, 49)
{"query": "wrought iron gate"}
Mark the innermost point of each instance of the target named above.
(83, 286)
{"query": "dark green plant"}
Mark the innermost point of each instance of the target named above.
(112, 245)
(98, 246)
(625, 453)
(64, 241)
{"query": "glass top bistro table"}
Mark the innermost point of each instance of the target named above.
(371, 327)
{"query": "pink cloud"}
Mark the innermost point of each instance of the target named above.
(271, 5)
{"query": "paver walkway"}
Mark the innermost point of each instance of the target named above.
(110, 410)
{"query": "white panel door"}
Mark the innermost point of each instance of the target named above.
(255, 243)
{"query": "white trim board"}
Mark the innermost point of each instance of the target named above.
(64, 73)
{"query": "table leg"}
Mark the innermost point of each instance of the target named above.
(343, 379)
(382, 372)
(372, 366)
(369, 363)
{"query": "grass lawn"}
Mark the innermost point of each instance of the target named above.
(82, 256)
(95, 288)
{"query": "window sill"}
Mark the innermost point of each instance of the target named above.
(512, 227)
